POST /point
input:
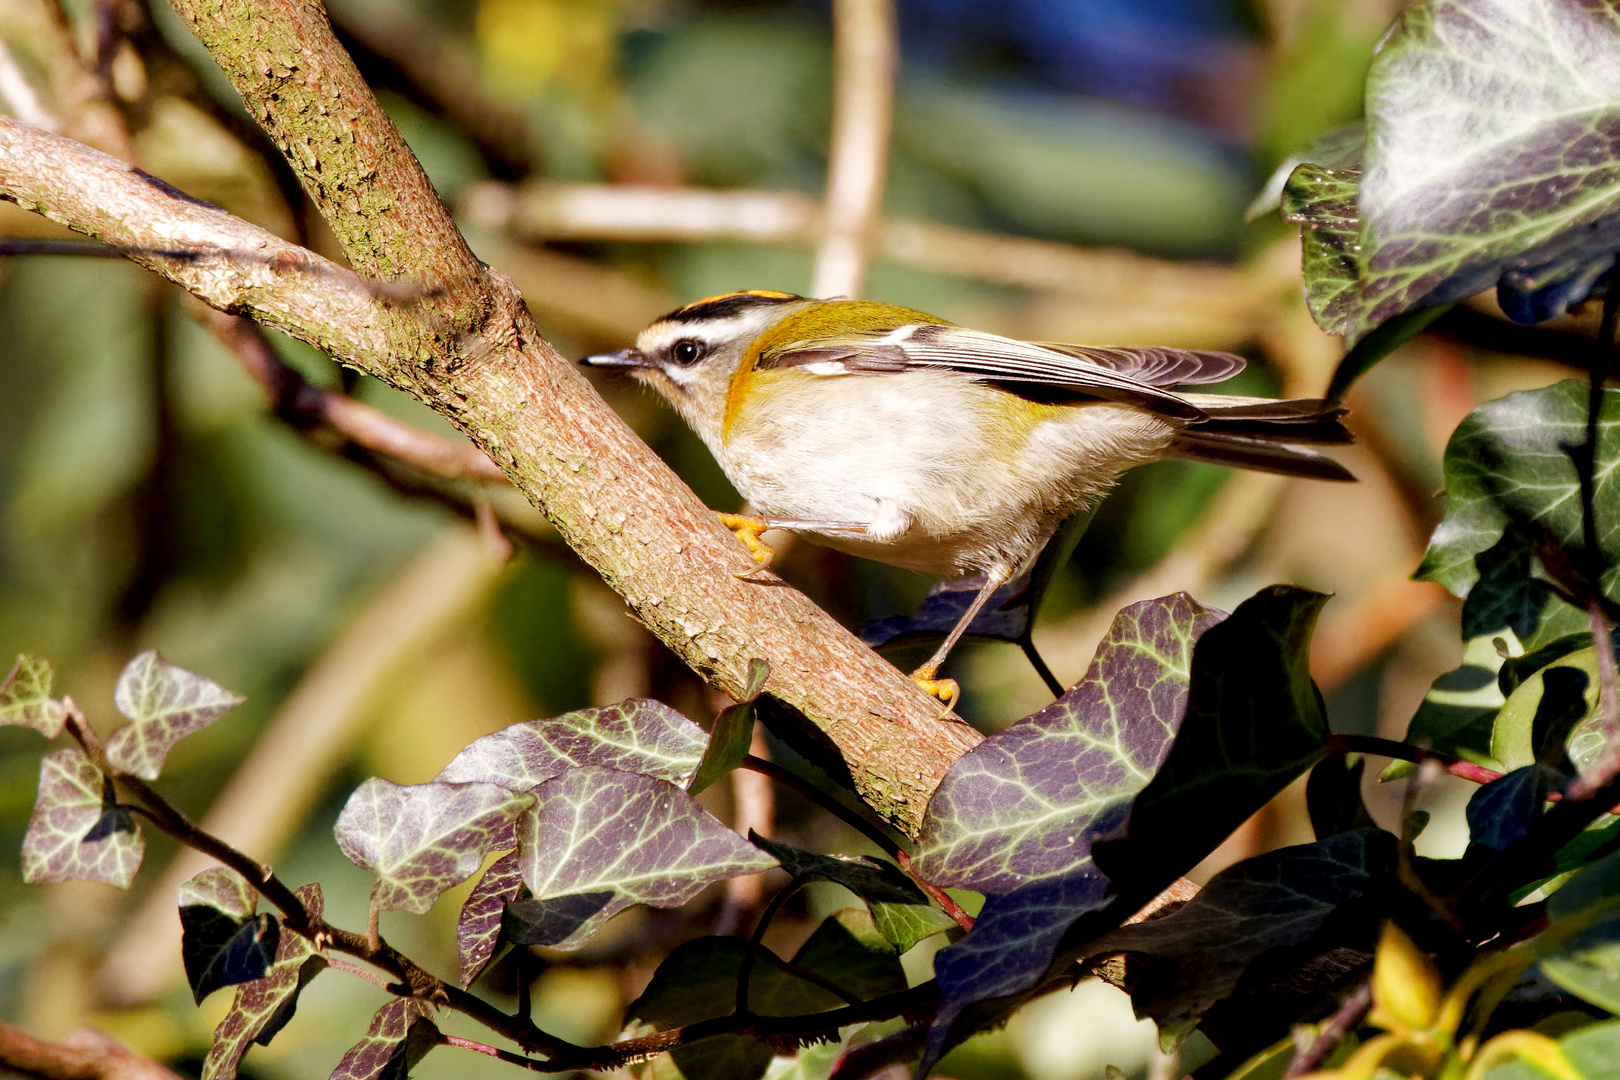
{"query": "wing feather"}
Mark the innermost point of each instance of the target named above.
(1107, 374)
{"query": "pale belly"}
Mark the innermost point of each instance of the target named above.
(950, 477)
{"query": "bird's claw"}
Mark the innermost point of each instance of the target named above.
(748, 530)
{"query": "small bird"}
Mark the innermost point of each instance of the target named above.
(897, 436)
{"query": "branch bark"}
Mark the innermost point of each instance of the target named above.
(85, 1055)
(469, 349)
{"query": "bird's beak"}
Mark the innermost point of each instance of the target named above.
(624, 358)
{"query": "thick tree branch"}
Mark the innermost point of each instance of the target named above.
(470, 350)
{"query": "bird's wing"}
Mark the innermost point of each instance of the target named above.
(1131, 376)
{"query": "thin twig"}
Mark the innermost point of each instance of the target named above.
(1332, 1032)
(83, 1055)
(745, 972)
(864, 58)
(360, 973)
(1343, 743)
(843, 813)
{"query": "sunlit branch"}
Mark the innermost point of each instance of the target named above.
(864, 56)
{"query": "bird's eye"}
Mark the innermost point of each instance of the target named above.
(686, 352)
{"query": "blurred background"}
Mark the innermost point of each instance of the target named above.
(1069, 170)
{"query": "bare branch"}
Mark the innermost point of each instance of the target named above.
(864, 58)
(85, 1055)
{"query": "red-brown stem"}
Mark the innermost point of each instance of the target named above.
(939, 895)
(1339, 743)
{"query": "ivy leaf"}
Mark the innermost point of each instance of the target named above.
(78, 831)
(639, 838)
(870, 879)
(1254, 721)
(1587, 963)
(1323, 200)
(401, 1034)
(638, 735)
(903, 925)
(1459, 711)
(222, 941)
(1333, 795)
(478, 930)
(1025, 803)
(1593, 1050)
(992, 970)
(424, 839)
(698, 981)
(1472, 181)
(1541, 717)
(25, 697)
(1506, 466)
(733, 732)
(164, 704)
(1196, 956)
(263, 1007)
(1504, 810)
(848, 951)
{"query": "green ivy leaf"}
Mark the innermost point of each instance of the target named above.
(868, 878)
(164, 704)
(1473, 181)
(401, 1034)
(1594, 1050)
(25, 697)
(222, 941)
(78, 831)
(1506, 466)
(638, 838)
(1459, 711)
(263, 1007)
(1543, 720)
(906, 924)
(1587, 963)
(1197, 955)
(424, 839)
(848, 951)
(733, 732)
(478, 930)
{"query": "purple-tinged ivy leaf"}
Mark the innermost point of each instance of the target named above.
(1026, 802)
(222, 941)
(78, 831)
(164, 704)
(25, 697)
(423, 839)
(547, 922)
(478, 930)
(263, 1007)
(1252, 721)
(638, 837)
(1004, 957)
(401, 1034)
(1503, 811)
(1196, 956)
(222, 889)
(733, 732)
(870, 879)
(637, 735)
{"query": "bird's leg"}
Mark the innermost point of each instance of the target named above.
(946, 689)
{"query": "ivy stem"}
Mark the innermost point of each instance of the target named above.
(1340, 743)
(848, 816)
(939, 895)
(360, 973)
(1344, 1019)
(1608, 707)
(296, 917)
(745, 973)
(1585, 456)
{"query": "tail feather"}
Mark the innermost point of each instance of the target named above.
(1255, 433)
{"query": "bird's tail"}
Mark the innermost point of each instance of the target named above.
(1265, 434)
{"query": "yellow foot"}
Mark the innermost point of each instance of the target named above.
(946, 690)
(748, 529)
